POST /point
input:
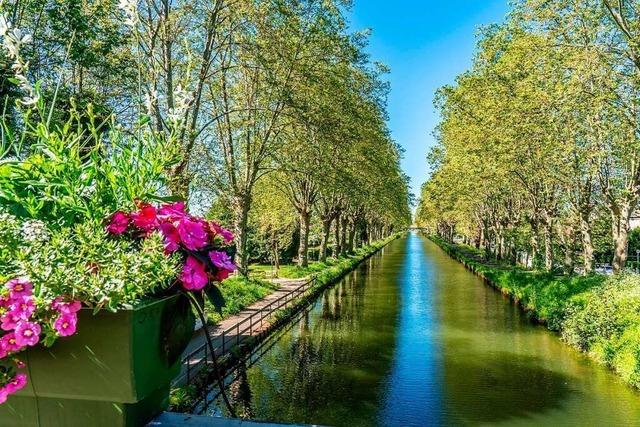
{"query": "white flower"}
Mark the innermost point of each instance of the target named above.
(4, 25)
(34, 231)
(150, 99)
(13, 40)
(181, 100)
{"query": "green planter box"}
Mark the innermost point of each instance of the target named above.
(115, 371)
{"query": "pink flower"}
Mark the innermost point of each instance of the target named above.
(194, 276)
(19, 287)
(146, 218)
(9, 343)
(171, 237)
(27, 333)
(17, 383)
(65, 325)
(222, 275)
(226, 235)
(119, 223)
(3, 395)
(192, 234)
(22, 307)
(66, 307)
(172, 212)
(9, 321)
(222, 260)
(5, 301)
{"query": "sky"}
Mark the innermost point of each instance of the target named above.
(426, 43)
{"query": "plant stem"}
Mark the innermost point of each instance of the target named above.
(219, 379)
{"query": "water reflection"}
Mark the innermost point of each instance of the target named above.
(411, 338)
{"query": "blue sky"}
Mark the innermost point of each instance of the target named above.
(426, 44)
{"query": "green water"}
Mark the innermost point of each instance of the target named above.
(413, 339)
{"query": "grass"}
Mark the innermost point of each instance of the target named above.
(599, 315)
(238, 294)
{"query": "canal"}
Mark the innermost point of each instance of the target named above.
(411, 338)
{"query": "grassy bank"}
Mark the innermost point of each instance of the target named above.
(238, 294)
(598, 315)
(292, 271)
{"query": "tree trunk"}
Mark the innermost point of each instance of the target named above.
(548, 247)
(326, 231)
(343, 237)
(620, 230)
(276, 257)
(352, 236)
(587, 244)
(303, 248)
(241, 217)
(336, 246)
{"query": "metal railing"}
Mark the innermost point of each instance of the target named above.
(252, 326)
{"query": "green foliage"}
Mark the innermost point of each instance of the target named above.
(596, 314)
(238, 293)
(86, 264)
(77, 173)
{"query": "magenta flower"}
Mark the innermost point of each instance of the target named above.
(172, 212)
(65, 325)
(63, 306)
(192, 234)
(19, 287)
(27, 333)
(194, 276)
(146, 218)
(17, 383)
(9, 343)
(22, 307)
(119, 223)
(222, 275)
(226, 235)
(171, 237)
(9, 321)
(222, 260)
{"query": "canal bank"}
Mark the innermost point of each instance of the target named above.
(597, 315)
(236, 336)
(411, 337)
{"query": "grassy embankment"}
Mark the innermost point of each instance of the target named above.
(598, 315)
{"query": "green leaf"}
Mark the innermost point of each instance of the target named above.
(215, 297)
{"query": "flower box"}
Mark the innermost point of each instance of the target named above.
(116, 371)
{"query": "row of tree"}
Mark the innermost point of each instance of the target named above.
(538, 155)
(278, 115)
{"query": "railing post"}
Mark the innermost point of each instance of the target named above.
(223, 339)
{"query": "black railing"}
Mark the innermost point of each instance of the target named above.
(224, 342)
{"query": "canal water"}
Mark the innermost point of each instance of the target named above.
(411, 338)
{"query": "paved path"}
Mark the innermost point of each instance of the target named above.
(197, 350)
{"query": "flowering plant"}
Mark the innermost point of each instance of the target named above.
(204, 245)
(57, 255)
(25, 321)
